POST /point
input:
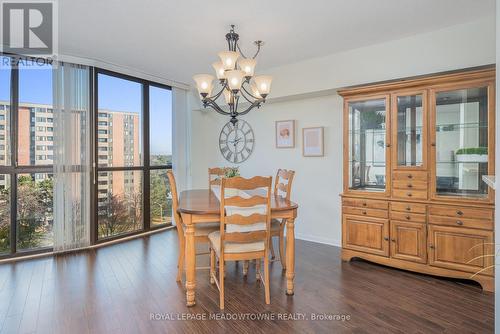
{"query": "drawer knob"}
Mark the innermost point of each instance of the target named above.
(410, 185)
(364, 204)
(408, 208)
(410, 176)
(431, 246)
(408, 217)
(460, 222)
(364, 212)
(393, 240)
(386, 238)
(459, 212)
(409, 194)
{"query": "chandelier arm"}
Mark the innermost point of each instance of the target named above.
(241, 52)
(255, 104)
(216, 96)
(244, 95)
(246, 91)
(211, 103)
(258, 49)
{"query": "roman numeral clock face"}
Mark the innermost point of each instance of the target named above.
(236, 141)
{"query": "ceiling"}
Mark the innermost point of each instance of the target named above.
(179, 38)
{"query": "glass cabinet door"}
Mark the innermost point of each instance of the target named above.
(409, 133)
(367, 144)
(461, 142)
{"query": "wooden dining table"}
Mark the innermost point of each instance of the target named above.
(201, 206)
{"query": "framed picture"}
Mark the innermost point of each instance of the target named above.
(312, 142)
(285, 134)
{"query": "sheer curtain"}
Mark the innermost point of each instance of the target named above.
(181, 141)
(72, 157)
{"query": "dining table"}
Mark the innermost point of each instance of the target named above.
(201, 206)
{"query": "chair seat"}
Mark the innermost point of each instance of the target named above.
(205, 229)
(234, 247)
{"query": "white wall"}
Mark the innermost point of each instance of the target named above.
(317, 183)
(305, 92)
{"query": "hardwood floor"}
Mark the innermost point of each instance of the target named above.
(117, 288)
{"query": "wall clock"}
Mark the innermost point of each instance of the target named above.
(236, 141)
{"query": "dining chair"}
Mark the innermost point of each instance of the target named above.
(215, 175)
(244, 230)
(282, 188)
(201, 231)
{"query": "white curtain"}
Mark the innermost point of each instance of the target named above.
(72, 157)
(181, 133)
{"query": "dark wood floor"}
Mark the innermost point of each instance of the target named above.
(115, 289)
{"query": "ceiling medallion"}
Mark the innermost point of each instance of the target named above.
(235, 74)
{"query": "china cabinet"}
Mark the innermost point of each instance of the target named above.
(415, 153)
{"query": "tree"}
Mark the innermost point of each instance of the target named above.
(4, 220)
(113, 217)
(34, 210)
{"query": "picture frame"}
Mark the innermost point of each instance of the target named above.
(285, 134)
(313, 142)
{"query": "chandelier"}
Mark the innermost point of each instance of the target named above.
(235, 74)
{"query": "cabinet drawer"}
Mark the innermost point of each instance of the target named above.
(410, 184)
(408, 207)
(464, 222)
(408, 217)
(409, 194)
(365, 203)
(412, 175)
(365, 212)
(461, 212)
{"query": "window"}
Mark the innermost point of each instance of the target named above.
(160, 154)
(122, 168)
(29, 225)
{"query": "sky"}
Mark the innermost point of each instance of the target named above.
(113, 94)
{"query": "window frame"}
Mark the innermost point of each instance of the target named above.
(146, 167)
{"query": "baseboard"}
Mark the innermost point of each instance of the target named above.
(321, 240)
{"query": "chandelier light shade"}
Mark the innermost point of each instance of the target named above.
(247, 66)
(228, 59)
(263, 83)
(204, 83)
(219, 70)
(235, 79)
(235, 74)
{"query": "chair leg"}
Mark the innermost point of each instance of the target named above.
(257, 269)
(273, 256)
(282, 247)
(245, 267)
(266, 279)
(180, 264)
(212, 266)
(221, 284)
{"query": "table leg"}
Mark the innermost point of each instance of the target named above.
(190, 262)
(290, 255)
